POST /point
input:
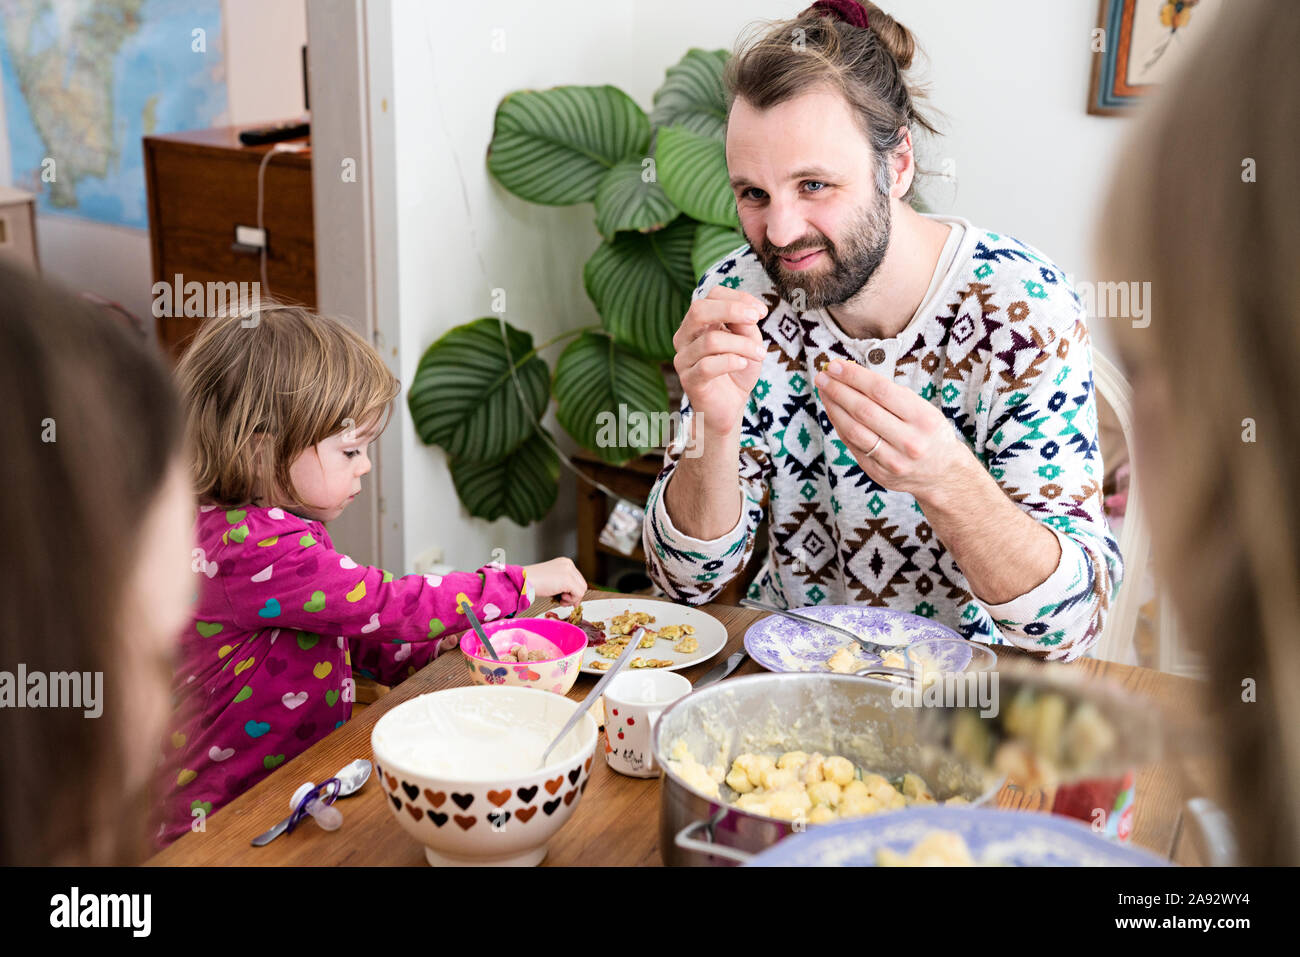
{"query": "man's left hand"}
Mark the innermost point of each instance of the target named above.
(902, 441)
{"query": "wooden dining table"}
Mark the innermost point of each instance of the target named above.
(616, 822)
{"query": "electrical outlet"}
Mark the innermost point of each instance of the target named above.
(427, 560)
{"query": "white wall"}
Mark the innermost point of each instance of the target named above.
(1011, 75)
(263, 71)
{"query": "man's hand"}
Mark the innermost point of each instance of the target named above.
(902, 441)
(719, 354)
(906, 444)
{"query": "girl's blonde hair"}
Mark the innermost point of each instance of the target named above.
(1219, 246)
(265, 385)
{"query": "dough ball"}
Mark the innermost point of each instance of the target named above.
(824, 793)
(838, 769)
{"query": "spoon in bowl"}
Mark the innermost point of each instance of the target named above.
(462, 605)
(595, 692)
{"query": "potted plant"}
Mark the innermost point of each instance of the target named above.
(665, 212)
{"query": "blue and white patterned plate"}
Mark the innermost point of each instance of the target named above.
(994, 836)
(780, 644)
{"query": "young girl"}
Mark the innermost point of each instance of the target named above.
(281, 408)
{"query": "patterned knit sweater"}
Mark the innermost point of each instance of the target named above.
(1001, 347)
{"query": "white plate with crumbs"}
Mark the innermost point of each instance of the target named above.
(699, 636)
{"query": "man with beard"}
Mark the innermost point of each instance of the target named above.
(909, 397)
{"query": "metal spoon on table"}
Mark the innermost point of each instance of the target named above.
(352, 778)
(595, 693)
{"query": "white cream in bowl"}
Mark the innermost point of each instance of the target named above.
(464, 734)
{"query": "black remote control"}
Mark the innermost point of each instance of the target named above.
(274, 133)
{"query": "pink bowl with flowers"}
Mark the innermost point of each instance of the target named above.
(553, 674)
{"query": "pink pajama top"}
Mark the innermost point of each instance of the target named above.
(281, 623)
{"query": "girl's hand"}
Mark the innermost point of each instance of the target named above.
(558, 577)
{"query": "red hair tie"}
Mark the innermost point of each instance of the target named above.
(847, 10)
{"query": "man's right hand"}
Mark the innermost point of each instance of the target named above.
(719, 354)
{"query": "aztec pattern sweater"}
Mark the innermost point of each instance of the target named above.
(1002, 348)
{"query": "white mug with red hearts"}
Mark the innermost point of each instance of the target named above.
(633, 703)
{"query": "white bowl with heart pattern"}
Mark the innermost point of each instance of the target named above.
(458, 769)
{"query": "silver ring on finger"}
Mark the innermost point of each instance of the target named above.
(879, 439)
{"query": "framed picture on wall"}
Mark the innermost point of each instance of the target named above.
(1140, 44)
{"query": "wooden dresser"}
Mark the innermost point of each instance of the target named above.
(201, 186)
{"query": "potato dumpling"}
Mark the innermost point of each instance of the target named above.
(648, 639)
(858, 789)
(812, 771)
(739, 781)
(789, 804)
(687, 646)
(889, 800)
(838, 769)
(821, 814)
(858, 807)
(753, 765)
(792, 759)
(1088, 736)
(876, 784)
(824, 793)
(777, 779)
(914, 788)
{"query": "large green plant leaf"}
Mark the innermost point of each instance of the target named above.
(555, 146)
(641, 285)
(693, 95)
(630, 197)
(693, 172)
(610, 400)
(464, 398)
(522, 487)
(711, 244)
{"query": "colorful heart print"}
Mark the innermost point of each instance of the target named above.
(322, 670)
(218, 754)
(243, 694)
(357, 593)
(307, 640)
(316, 602)
(208, 628)
(307, 541)
(291, 700)
(255, 729)
(372, 625)
(264, 574)
(235, 516)
(271, 609)
(238, 535)
(272, 761)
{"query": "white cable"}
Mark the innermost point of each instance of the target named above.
(261, 193)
